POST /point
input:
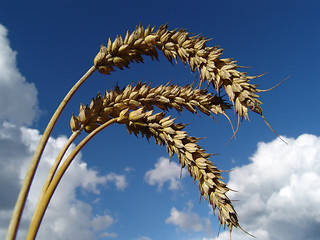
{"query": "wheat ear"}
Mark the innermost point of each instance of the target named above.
(165, 97)
(190, 154)
(191, 50)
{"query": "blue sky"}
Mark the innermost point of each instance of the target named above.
(122, 187)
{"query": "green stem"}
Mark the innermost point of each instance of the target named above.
(18, 209)
(39, 213)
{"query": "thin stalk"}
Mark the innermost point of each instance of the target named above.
(18, 209)
(55, 165)
(39, 213)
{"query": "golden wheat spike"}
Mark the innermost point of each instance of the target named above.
(191, 50)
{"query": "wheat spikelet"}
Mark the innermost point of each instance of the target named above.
(190, 155)
(191, 50)
(165, 97)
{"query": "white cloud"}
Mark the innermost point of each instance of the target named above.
(279, 191)
(128, 169)
(18, 98)
(165, 171)
(108, 235)
(187, 220)
(119, 180)
(102, 222)
(143, 238)
(67, 217)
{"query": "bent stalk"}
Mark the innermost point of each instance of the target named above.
(55, 167)
(17, 212)
(39, 213)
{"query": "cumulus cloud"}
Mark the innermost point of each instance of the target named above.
(279, 190)
(67, 217)
(119, 180)
(165, 171)
(18, 97)
(187, 220)
(102, 222)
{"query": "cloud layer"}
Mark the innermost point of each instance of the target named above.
(67, 217)
(18, 98)
(279, 190)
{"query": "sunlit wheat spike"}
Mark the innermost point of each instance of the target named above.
(190, 155)
(165, 97)
(191, 50)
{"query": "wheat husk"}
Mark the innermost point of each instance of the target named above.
(192, 51)
(165, 97)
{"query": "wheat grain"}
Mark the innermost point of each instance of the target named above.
(165, 97)
(191, 50)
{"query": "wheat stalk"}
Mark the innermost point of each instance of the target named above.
(46, 197)
(26, 184)
(190, 50)
(54, 167)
